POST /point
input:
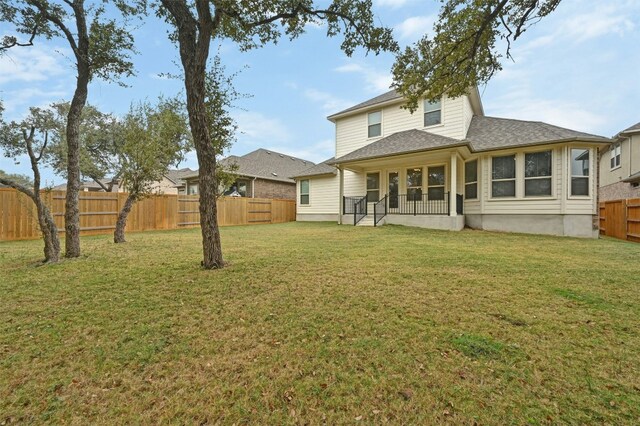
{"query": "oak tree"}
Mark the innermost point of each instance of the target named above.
(250, 24)
(471, 38)
(102, 46)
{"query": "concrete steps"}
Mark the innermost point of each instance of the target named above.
(368, 221)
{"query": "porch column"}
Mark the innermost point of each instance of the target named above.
(453, 184)
(341, 202)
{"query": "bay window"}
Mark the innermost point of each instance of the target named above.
(579, 172)
(537, 174)
(471, 180)
(503, 176)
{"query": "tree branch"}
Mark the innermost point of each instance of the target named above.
(15, 185)
(42, 8)
(14, 41)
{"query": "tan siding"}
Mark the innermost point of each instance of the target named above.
(561, 203)
(323, 196)
(629, 162)
(351, 132)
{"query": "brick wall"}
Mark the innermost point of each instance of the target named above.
(273, 189)
(618, 191)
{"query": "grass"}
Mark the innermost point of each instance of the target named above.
(317, 323)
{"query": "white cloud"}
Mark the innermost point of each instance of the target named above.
(603, 20)
(328, 102)
(415, 27)
(393, 4)
(32, 64)
(255, 127)
(376, 81)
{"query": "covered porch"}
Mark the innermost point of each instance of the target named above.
(420, 189)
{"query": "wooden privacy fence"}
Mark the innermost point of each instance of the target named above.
(621, 219)
(99, 212)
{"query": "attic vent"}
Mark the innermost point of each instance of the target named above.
(304, 162)
(293, 158)
(281, 156)
(274, 173)
(269, 152)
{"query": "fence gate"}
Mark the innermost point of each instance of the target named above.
(258, 210)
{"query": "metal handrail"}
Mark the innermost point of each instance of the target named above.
(379, 210)
(359, 210)
(412, 204)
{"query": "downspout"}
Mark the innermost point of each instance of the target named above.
(253, 188)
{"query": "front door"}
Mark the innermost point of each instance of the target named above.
(394, 182)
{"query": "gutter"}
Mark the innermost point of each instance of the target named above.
(469, 145)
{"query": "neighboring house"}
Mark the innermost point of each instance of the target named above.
(448, 165)
(620, 166)
(171, 183)
(261, 174)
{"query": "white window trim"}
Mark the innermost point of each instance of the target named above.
(424, 111)
(446, 181)
(477, 181)
(551, 196)
(570, 175)
(381, 111)
(300, 193)
(617, 145)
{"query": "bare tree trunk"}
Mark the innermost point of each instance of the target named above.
(49, 230)
(72, 201)
(45, 220)
(194, 38)
(121, 224)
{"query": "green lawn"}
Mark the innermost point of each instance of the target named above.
(316, 323)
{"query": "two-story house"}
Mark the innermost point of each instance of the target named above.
(620, 166)
(448, 165)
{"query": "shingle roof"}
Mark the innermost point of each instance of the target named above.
(488, 133)
(634, 128)
(385, 97)
(265, 164)
(484, 134)
(400, 143)
(633, 178)
(177, 176)
(87, 184)
(319, 169)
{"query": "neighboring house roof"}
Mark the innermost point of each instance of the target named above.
(177, 176)
(317, 170)
(484, 134)
(265, 164)
(87, 184)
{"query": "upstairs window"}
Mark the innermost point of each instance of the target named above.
(615, 155)
(435, 183)
(537, 174)
(471, 180)
(374, 124)
(304, 192)
(503, 176)
(432, 113)
(580, 172)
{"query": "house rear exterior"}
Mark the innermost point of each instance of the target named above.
(448, 165)
(620, 166)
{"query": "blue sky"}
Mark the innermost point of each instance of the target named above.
(577, 68)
